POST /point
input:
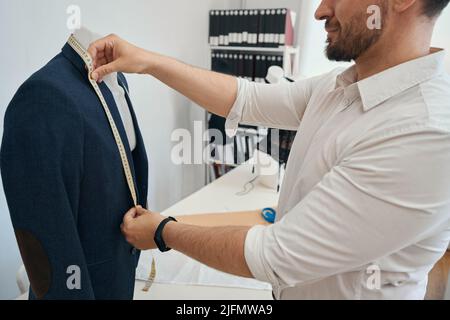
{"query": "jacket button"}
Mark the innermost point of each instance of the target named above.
(134, 251)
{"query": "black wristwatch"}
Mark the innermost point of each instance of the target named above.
(158, 235)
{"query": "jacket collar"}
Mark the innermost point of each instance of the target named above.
(75, 59)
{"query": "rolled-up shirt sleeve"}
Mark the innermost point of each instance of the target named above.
(374, 202)
(279, 106)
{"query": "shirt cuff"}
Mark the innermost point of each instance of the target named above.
(235, 115)
(254, 255)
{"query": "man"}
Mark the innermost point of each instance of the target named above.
(365, 206)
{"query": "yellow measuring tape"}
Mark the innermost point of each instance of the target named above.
(82, 52)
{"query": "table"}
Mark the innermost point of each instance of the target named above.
(217, 198)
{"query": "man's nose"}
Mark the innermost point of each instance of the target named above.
(324, 11)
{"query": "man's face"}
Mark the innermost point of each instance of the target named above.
(347, 24)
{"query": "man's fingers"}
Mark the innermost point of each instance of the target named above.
(102, 53)
(99, 46)
(109, 51)
(102, 71)
(100, 62)
(93, 51)
(130, 216)
(141, 211)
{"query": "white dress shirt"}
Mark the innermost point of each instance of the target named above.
(364, 211)
(86, 37)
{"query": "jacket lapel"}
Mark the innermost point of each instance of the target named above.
(140, 153)
(76, 60)
(119, 124)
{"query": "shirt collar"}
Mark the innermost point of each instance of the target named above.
(387, 84)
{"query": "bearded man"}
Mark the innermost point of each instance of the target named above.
(364, 211)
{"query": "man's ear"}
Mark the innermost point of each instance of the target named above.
(400, 6)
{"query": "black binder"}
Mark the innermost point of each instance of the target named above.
(222, 28)
(277, 31)
(214, 27)
(240, 28)
(228, 21)
(280, 62)
(241, 66)
(253, 27)
(282, 27)
(247, 67)
(211, 27)
(232, 28)
(267, 28)
(261, 28)
(245, 23)
(272, 23)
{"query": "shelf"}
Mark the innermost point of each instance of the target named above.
(280, 50)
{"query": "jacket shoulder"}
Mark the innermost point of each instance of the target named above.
(45, 94)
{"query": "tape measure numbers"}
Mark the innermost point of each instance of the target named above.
(82, 52)
(73, 42)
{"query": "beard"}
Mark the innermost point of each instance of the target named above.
(353, 39)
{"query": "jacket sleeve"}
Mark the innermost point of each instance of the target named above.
(41, 167)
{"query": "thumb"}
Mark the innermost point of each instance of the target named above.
(101, 72)
(130, 215)
(140, 211)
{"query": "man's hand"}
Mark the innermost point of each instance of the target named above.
(139, 227)
(221, 248)
(113, 54)
(213, 91)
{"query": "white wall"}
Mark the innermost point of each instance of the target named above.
(32, 32)
(441, 37)
(312, 41)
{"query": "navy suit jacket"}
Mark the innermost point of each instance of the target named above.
(65, 185)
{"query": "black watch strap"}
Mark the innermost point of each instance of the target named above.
(158, 235)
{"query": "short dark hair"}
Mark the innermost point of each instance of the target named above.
(432, 8)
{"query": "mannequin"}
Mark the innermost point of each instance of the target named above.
(64, 182)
